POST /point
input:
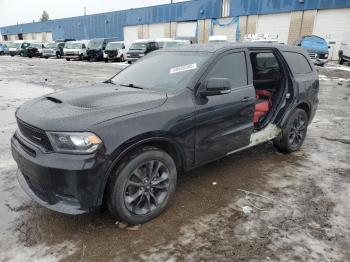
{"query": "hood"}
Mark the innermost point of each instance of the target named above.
(81, 108)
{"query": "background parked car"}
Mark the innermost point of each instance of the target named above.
(169, 42)
(317, 48)
(96, 48)
(344, 51)
(75, 50)
(217, 38)
(17, 47)
(34, 50)
(140, 48)
(115, 51)
(53, 50)
(4, 50)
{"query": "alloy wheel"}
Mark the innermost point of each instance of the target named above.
(147, 187)
(297, 131)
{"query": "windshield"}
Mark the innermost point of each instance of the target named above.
(95, 44)
(52, 45)
(168, 71)
(14, 45)
(36, 45)
(314, 42)
(138, 46)
(73, 45)
(112, 46)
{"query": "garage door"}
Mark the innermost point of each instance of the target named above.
(156, 31)
(274, 24)
(331, 25)
(186, 29)
(227, 27)
(130, 34)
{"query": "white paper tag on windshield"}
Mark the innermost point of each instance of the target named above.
(183, 68)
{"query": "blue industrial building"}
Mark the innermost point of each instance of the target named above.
(111, 24)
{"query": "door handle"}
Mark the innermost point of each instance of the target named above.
(245, 99)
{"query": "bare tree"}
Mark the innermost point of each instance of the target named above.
(45, 16)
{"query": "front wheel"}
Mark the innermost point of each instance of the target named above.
(122, 59)
(68, 59)
(341, 60)
(142, 186)
(294, 132)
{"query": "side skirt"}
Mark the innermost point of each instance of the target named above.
(270, 132)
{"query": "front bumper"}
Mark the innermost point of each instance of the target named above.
(14, 52)
(70, 184)
(72, 56)
(132, 59)
(319, 61)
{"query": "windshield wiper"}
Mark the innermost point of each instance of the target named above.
(109, 81)
(131, 85)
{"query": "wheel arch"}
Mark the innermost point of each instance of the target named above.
(301, 105)
(167, 144)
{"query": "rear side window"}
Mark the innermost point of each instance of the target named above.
(297, 63)
(232, 66)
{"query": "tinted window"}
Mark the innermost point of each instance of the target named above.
(266, 61)
(231, 66)
(297, 63)
(169, 71)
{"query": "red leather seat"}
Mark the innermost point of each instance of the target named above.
(262, 105)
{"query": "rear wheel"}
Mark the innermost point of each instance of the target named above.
(142, 186)
(294, 132)
(81, 57)
(341, 60)
(122, 58)
(68, 59)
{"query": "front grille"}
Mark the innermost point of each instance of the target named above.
(312, 55)
(35, 135)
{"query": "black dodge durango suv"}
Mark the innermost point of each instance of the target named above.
(125, 141)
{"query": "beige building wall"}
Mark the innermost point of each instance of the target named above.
(296, 20)
(301, 23)
(173, 29)
(308, 22)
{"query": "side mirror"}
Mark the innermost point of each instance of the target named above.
(216, 86)
(329, 46)
(299, 44)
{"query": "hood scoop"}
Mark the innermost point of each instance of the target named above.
(53, 99)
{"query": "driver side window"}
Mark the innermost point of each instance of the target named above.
(233, 67)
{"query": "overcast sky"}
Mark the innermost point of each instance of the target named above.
(25, 11)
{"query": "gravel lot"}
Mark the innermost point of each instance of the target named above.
(300, 201)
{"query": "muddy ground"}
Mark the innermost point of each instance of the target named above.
(300, 202)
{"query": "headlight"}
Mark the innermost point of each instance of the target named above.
(74, 142)
(141, 54)
(325, 55)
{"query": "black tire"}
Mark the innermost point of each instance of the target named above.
(46, 57)
(293, 133)
(129, 62)
(341, 60)
(81, 57)
(147, 196)
(121, 59)
(68, 59)
(106, 60)
(12, 55)
(2, 53)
